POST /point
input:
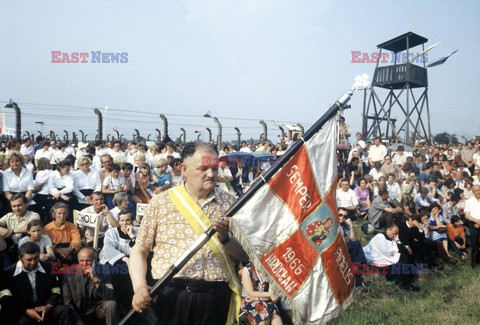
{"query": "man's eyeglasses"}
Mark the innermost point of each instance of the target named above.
(108, 161)
(342, 215)
(176, 164)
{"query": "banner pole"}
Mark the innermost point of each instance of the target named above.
(205, 237)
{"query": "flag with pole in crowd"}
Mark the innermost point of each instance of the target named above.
(290, 230)
(289, 225)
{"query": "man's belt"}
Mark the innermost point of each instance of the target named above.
(192, 285)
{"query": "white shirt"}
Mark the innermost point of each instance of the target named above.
(150, 159)
(97, 162)
(56, 182)
(86, 182)
(114, 246)
(70, 150)
(476, 158)
(472, 205)
(113, 153)
(42, 178)
(14, 183)
(26, 151)
(114, 212)
(174, 155)
(61, 155)
(45, 241)
(381, 252)
(377, 153)
(376, 174)
(54, 153)
(399, 159)
(114, 183)
(394, 191)
(100, 151)
(41, 153)
(346, 199)
(350, 154)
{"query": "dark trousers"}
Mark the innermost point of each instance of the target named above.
(357, 256)
(42, 207)
(458, 240)
(386, 219)
(429, 252)
(195, 302)
(81, 206)
(122, 287)
(60, 314)
(475, 237)
(397, 275)
(106, 310)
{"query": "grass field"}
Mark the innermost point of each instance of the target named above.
(450, 296)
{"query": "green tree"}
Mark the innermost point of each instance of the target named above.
(446, 138)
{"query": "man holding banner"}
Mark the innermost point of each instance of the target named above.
(106, 219)
(287, 222)
(206, 290)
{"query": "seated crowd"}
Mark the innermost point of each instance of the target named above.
(424, 204)
(45, 192)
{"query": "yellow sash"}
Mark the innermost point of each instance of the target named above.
(199, 223)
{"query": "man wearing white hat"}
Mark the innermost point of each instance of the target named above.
(358, 148)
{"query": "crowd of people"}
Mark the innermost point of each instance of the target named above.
(423, 203)
(85, 272)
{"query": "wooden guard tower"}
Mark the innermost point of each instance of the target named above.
(397, 106)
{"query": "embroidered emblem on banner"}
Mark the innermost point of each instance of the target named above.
(320, 228)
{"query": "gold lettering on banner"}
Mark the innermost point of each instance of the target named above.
(300, 188)
(280, 273)
(343, 266)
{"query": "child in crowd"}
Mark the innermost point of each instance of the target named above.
(160, 176)
(112, 184)
(127, 170)
(143, 180)
(35, 234)
(456, 236)
(379, 184)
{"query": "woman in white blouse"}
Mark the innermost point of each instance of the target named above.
(42, 192)
(61, 185)
(115, 254)
(87, 180)
(61, 153)
(16, 179)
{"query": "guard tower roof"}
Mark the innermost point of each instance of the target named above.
(399, 43)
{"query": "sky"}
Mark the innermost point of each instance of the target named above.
(242, 61)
